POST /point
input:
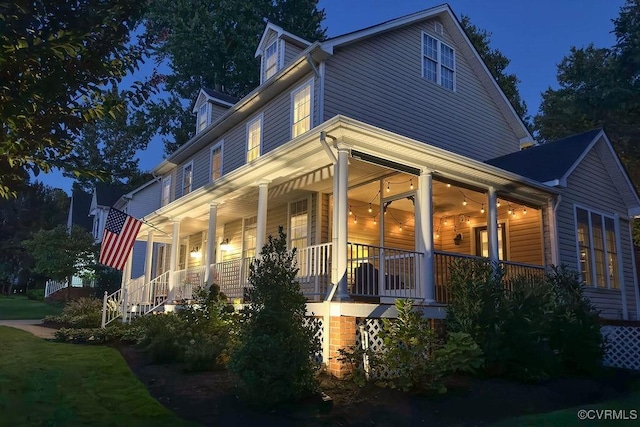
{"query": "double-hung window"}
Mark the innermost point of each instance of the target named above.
(254, 138)
(216, 161)
(597, 249)
(203, 117)
(270, 64)
(187, 178)
(166, 191)
(299, 224)
(250, 237)
(438, 62)
(301, 106)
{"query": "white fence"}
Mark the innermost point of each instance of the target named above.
(623, 346)
(52, 287)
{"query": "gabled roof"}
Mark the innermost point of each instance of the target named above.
(80, 204)
(548, 162)
(215, 97)
(452, 25)
(552, 163)
(122, 200)
(282, 34)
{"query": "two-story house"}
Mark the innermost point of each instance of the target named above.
(386, 154)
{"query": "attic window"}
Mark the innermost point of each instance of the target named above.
(270, 61)
(438, 62)
(437, 27)
(203, 117)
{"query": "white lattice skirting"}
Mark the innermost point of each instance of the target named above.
(318, 323)
(623, 346)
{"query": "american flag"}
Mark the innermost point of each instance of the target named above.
(118, 238)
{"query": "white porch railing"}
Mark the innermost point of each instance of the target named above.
(374, 271)
(188, 280)
(232, 276)
(53, 286)
(314, 269)
(112, 306)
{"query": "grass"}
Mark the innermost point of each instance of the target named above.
(569, 416)
(17, 307)
(54, 384)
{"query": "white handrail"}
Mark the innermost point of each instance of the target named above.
(111, 307)
(54, 286)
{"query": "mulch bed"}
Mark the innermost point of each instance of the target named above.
(210, 398)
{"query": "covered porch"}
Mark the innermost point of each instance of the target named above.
(373, 217)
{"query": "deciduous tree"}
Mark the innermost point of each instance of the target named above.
(497, 64)
(57, 59)
(212, 43)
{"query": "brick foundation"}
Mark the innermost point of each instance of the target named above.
(342, 335)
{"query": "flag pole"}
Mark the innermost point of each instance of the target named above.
(154, 227)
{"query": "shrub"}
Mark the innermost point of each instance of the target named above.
(208, 333)
(35, 294)
(476, 291)
(80, 313)
(353, 356)
(574, 328)
(410, 344)
(535, 330)
(275, 356)
(460, 354)
(162, 337)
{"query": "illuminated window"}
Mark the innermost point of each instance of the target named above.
(270, 64)
(597, 249)
(216, 161)
(250, 233)
(254, 138)
(482, 241)
(301, 101)
(298, 224)
(438, 62)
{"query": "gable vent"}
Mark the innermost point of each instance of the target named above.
(437, 27)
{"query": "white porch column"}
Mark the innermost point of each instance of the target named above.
(341, 206)
(334, 225)
(261, 222)
(424, 235)
(148, 260)
(211, 242)
(175, 251)
(492, 227)
(126, 272)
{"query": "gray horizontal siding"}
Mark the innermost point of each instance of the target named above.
(290, 53)
(145, 201)
(379, 81)
(591, 186)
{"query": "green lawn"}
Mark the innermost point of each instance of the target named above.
(54, 384)
(569, 417)
(20, 307)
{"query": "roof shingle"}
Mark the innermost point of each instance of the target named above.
(546, 162)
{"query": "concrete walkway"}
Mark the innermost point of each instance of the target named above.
(33, 326)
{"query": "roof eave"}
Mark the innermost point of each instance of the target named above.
(248, 104)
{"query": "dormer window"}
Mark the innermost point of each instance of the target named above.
(270, 64)
(203, 117)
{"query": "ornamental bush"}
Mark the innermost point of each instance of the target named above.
(532, 329)
(275, 356)
(409, 343)
(80, 313)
